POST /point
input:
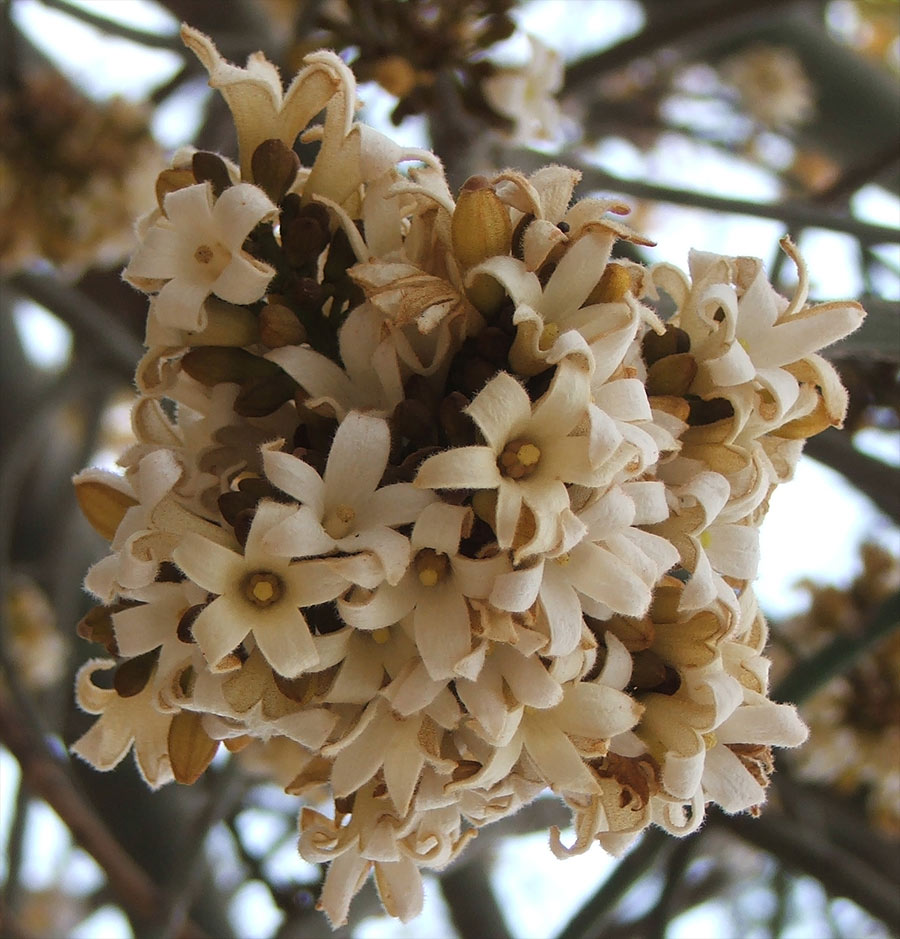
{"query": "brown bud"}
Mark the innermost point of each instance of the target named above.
(170, 181)
(211, 168)
(480, 227)
(227, 325)
(191, 749)
(708, 412)
(261, 396)
(274, 166)
(671, 404)
(102, 505)
(672, 375)
(97, 626)
(132, 675)
(279, 326)
(214, 365)
(672, 342)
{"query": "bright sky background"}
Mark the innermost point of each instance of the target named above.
(814, 526)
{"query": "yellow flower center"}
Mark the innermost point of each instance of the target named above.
(263, 588)
(203, 254)
(431, 567)
(563, 559)
(381, 636)
(338, 522)
(519, 459)
(705, 539)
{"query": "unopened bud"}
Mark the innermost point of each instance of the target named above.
(672, 375)
(279, 326)
(102, 505)
(215, 365)
(274, 167)
(211, 168)
(191, 749)
(614, 283)
(480, 228)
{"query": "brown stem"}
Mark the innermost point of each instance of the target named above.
(47, 778)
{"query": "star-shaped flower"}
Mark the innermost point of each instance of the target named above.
(196, 249)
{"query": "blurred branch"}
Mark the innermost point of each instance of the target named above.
(48, 778)
(803, 849)
(85, 318)
(874, 479)
(171, 41)
(585, 924)
(666, 31)
(808, 676)
(473, 907)
(187, 875)
(789, 213)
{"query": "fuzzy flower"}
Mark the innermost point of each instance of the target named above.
(257, 592)
(196, 250)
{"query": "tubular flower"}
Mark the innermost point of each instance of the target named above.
(448, 511)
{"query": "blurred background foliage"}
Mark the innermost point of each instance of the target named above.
(725, 123)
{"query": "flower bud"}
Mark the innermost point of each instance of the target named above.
(274, 166)
(279, 326)
(102, 505)
(191, 749)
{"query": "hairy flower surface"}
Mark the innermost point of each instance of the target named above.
(442, 509)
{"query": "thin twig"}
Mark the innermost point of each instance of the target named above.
(790, 213)
(808, 676)
(49, 778)
(172, 42)
(85, 317)
(187, 876)
(586, 922)
(803, 849)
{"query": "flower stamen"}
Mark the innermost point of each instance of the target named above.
(339, 521)
(431, 566)
(263, 588)
(519, 459)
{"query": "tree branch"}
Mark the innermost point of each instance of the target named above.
(789, 213)
(46, 777)
(808, 676)
(171, 42)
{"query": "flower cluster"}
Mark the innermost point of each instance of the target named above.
(73, 174)
(452, 509)
(854, 720)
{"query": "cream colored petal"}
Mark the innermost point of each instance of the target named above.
(727, 782)
(733, 550)
(237, 212)
(389, 546)
(399, 886)
(358, 762)
(443, 635)
(625, 400)
(403, 762)
(460, 468)
(388, 605)
(522, 286)
(299, 536)
(159, 256)
(356, 462)
(769, 724)
(213, 567)
(509, 507)
(602, 576)
(440, 526)
(284, 639)
(527, 677)
(220, 628)
(346, 875)
(476, 577)
(564, 405)
(517, 590)
(596, 711)
(90, 698)
(314, 582)
(806, 332)
(563, 611)
(502, 410)
(297, 478)
(151, 749)
(556, 758)
(315, 373)
(576, 275)
(244, 280)
(104, 746)
(397, 504)
(180, 304)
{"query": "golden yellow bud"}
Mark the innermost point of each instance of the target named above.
(480, 228)
(191, 749)
(102, 505)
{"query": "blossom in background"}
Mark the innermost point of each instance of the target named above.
(772, 84)
(443, 516)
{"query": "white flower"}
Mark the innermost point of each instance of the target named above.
(197, 249)
(126, 720)
(344, 510)
(526, 95)
(528, 458)
(435, 589)
(258, 593)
